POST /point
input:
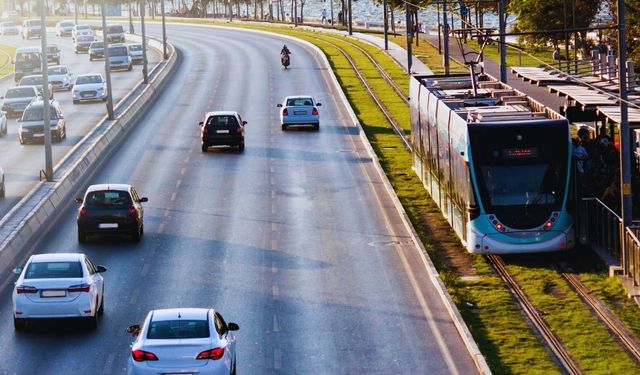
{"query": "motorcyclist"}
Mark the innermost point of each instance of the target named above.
(285, 50)
(284, 56)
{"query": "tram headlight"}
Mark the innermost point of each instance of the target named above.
(552, 220)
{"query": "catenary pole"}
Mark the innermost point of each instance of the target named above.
(145, 74)
(107, 66)
(48, 159)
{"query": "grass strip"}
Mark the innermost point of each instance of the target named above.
(5, 59)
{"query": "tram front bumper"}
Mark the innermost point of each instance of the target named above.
(523, 242)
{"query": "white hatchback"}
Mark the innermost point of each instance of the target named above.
(299, 110)
(183, 341)
(63, 285)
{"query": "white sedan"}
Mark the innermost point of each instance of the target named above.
(89, 87)
(299, 110)
(63, 285)
(183, 341)
(60, 77)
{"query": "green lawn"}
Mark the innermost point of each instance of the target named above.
(6, 55)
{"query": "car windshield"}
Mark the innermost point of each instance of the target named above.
(83, 80)
(299, 102)
(52, 49)
(178, 329)
(108, 198)
(28, 56)
(35, 114)
(8, 24)
(56, 70)
(118, 51)
(83, 27)
(66, 24)
(115, 29)
(53, 270)
(97, 45)
(31, 81)
(84, 38)
(135, 47)
(20, 92)
(33, 23)
(222, 121)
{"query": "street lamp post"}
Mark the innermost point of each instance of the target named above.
(350, 20)
(164, 32)
(385, 22)
(130, 17)
(145, 73)
(48, 159)
(107, 67)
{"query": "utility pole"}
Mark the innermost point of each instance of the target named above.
(48, 158)
(107, 67)
(503, 42)
(625, 140)
(145, 74)
(445, 37)
(385, 20)
(76, 10)
(131, 16)
(407, 10)
(566, 38)
(332, 25)
(350, 20)
(164, 32)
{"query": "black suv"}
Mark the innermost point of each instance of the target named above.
(222, 128)
(53, 54)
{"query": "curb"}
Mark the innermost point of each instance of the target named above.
(27, 219)
(458, 321)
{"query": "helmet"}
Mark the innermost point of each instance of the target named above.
(284, 47)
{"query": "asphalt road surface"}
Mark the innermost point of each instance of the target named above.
(22, 163)
(295, 239)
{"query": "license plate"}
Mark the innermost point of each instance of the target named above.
(222, 131)
(85, 95)
(299, 112)
(108, 225)
(53, 293)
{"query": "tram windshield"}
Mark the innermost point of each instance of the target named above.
(522, 185)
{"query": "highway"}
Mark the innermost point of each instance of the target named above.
(295, 239)
(22, 163)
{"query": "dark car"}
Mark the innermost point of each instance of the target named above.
(53, 54)
(17, 99)
(96, 50)
(31, 124)
(110, 209)
(36, 81)
(222, 128)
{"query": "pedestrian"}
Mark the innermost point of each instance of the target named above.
(556, 54)
(324, 16)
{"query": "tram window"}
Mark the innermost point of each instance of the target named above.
(521, 185)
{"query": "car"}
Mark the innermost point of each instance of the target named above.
(96, 50)
(184, 341)
(135, 50)
(222, 128)
(36, 80)
(115, 34)
(64, 28)
(89, 87)
(53, 54)
(60, 77)
(110, 209)
(31, 124)
(10, 15)
(82, 43)
(3, 189)
(299, 110)
(9, 28)
(119, 57)
(60, 285)
(27, 61)
(31, 28)
(81, 29)
(16, 99)
(4, 129)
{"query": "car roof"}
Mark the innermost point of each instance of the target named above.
(100, 187)
(57, 257)
(89, 75)
(33, 76)
(39, 103)
(27, 49)
(221, 113)
(35, 89)
(298, 97)
(56, 66)
(180, 313)
(117, 45)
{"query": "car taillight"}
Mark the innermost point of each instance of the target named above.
(141, 356)
(84, 211)
(25, 289)
(205, 132)
(314, 111)
(239, 130)
(132, 211)
(86, 288)
(285, 112)
(215, 353)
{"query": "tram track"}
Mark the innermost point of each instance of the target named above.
(555, 346)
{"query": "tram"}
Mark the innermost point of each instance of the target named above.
(497, 163)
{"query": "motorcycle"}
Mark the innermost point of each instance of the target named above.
(285, 59)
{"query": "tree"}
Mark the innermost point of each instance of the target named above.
(632, 21)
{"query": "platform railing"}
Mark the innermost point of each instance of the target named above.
(600, 226)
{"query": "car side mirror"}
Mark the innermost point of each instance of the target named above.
(143, 199)
(17, 270)
(244, 123)
(279, 105)
(101, 269)
(78, 200)
(233, 326)
(318, 104)
(134, 330)
(200, 123)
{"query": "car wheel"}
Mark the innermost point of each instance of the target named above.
(142, 229)
(92, 321)
(135, 235)
(76, 101)
(90, 58)
(82, 236)
(2, 191)
(241, 147)
(6, 128)
(284, 127)
(204, 147)
(19, 324)
(21, 140)
(235, 364)
(101, 309)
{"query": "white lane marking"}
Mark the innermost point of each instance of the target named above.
(178, 183)
(173, 196)
(273, 193)
(274, 227)
(274, 267)
(273, 181)
(274, 244)
(134, 296)
(277, 359)
(275, 291)
(183, 170)
(187, 159)
(161, 228)
(166, 213)
(276, 326)
(107, 366)
(145, 270)
(273, 209)
(272, 169)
